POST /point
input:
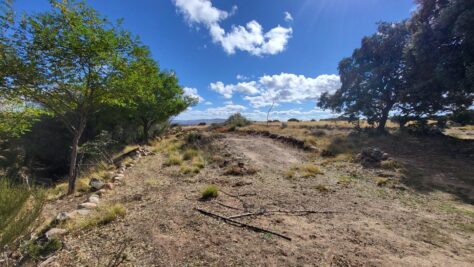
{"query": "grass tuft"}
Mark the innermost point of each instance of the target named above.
(173, 159)
(209, 192)
(104, 215)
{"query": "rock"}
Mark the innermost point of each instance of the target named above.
(88, 205)
(49, 262)
(371, 157)
(118, 178)
(64, 216)
(327, 153)
(79, 212)
(109, 186)
(55, 233)
(102, 191)
(94, 199)
(96, 184)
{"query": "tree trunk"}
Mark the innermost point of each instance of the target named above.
(73, 160)
(146, 136)
(383, 120)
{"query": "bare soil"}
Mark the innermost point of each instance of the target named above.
(371, 225)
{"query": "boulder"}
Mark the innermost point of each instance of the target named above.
(55, 233)
(96, 184)
(63, 216)
(79, 212)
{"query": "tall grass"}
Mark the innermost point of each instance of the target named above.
(19, 208)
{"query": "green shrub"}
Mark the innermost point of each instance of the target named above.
(37, 250)
(237, 120)
(209, 192)
(293, 120)
(19, 208)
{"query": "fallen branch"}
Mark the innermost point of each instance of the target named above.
(242, 195)
(247, 214)
(303, 211)
(254, 228)
(263, 212)
(227, 206)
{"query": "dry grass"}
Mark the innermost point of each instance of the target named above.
(309, 170)
(102, 216)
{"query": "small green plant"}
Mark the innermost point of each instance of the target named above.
(209, 192)
(36, 250)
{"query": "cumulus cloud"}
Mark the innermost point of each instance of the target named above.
(248, 88)
(281, 88)
(249, 38)
(192, 92)
(288, 17)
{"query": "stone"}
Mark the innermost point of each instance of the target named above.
(102, 191)
(62, 216)
(109, 186)
(88, 205)
(118, 178)
(79, 212)
(96, 184)
(55, 233)
(371, 157)
(94, 199)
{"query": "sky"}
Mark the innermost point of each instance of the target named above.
(243, 56)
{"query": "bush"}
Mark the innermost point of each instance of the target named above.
(202, 124)
(37, 250)
(463, 117)
(19, 208)
(209, 192)
(294, 120)
(237, 120)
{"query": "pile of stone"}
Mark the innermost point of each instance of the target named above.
(371, 157)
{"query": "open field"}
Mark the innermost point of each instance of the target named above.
(416, 209)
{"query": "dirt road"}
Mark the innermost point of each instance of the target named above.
(372, 226)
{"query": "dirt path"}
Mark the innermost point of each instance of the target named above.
(372, 227)
(264, 152)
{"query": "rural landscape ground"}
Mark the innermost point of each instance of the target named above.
(414, 209)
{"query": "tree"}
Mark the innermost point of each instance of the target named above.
(373, 80)
(68, 57)
(150, 96)
(440, 56)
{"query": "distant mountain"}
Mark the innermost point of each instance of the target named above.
(196, 122)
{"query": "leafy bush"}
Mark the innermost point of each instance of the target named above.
(19, 208)
(293, 120)
(209, 192)
(237, 120)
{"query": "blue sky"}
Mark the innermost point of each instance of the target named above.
(241, 55)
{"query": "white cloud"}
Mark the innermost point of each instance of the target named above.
(288, 16)
(281, 88)
(249, 38)
(225, 111)
(208, 103)
(248, 88)
(192, 92)
(241, 77)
